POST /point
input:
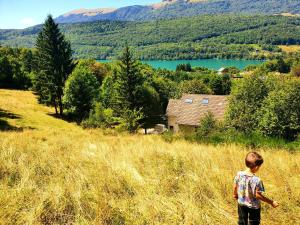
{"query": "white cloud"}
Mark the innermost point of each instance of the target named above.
(27, 22)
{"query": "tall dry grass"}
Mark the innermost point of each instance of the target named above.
(57, 173)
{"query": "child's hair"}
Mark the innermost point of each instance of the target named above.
(253, 159)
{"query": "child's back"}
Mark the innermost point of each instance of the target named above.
(247, 184)
(248, 189)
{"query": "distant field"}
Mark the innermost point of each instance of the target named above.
(54, 172)
(290, 48)
(290, 14)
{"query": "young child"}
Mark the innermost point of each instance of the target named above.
(248, 189)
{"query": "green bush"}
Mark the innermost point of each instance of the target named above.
(207, 125)
(249, 140)
(194, 87)
(280, 112)
(80, 92)
(220, 85)
(184, 67)
(246, 99)
(130, 120)
(100, 117)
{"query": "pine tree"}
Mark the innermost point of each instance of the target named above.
(129, 81)
(54, 64)
(130, 97)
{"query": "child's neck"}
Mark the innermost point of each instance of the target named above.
(248, 170)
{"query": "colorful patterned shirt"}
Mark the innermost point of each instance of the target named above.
(247, 184)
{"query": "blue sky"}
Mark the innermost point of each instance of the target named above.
(25, 13)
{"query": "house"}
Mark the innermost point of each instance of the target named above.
(222, 71)
(184, 114)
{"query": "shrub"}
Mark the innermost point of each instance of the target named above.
(220, 85)
(80, 92)
(194, 87)
(246, 99)
(130, 120)
(276, 65)
(184, 67)
(207, 124)
(280, 113)
(100, 117)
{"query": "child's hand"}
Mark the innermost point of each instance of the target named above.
(275, 204)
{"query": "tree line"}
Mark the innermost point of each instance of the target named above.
(16, 66)
(206, 36)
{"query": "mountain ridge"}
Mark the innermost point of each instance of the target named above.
(168, 9)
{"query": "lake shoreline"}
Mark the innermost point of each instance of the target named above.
(213, 64)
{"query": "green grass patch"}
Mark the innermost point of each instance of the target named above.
(250, 140)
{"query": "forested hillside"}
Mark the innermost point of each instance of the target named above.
(208, 36)
(182, 8)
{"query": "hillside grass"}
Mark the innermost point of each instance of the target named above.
(54, 172)
(290, 48)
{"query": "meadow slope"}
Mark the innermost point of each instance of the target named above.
(54, 172)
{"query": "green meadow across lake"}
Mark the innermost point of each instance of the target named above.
(214, 64)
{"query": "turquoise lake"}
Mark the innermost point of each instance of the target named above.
(213, 64)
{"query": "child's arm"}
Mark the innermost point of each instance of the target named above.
(235, 195)
(260, 196)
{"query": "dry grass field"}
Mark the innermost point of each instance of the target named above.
(54, 172)
(289, 48)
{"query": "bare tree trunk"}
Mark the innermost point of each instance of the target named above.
(60, 106)
(55, 106)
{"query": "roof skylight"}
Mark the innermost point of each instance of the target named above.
(188, 100)
(205, 101)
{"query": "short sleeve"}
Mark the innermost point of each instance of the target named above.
(236, 179)
(256, 185)
(260, 186)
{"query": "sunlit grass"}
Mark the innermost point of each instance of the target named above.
(57, 173)
(290, 48)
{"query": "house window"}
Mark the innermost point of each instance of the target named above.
(205, 101)
(189, 101)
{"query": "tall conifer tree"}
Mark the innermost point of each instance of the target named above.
(54, 64)
(129, 82)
